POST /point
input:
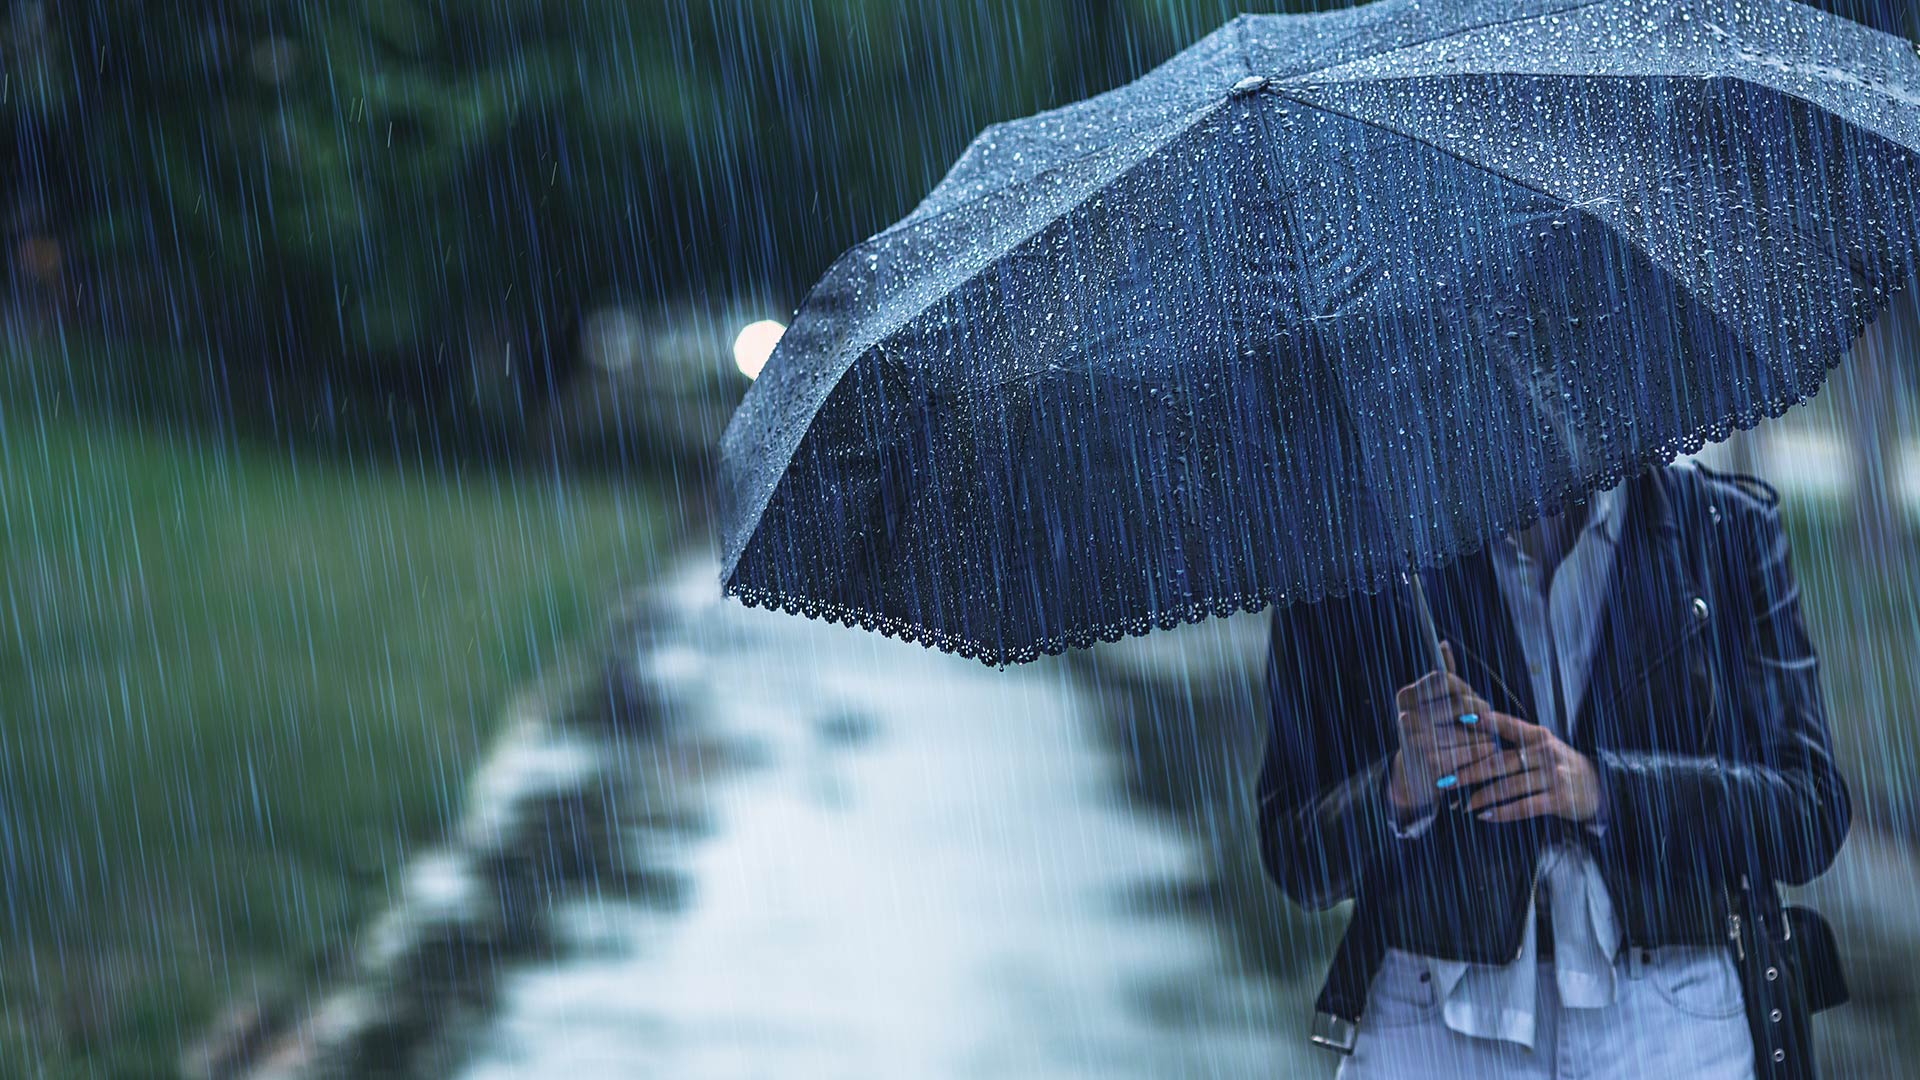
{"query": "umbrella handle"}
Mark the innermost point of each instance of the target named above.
(1455, 799)
(1427, 629)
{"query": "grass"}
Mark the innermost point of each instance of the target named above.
(237, 685)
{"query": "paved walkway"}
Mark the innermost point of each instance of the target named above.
(928, 875)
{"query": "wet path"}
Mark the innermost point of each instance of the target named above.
(928, 872)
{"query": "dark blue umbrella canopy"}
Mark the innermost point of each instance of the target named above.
(1324, 299)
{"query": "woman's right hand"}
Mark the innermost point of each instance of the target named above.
(1439, 736)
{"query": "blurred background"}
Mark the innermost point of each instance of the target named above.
(366, 707)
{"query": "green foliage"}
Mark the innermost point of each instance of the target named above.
(390, 187)
(240, 688)
(383, 189)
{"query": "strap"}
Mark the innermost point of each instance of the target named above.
(1343, 996)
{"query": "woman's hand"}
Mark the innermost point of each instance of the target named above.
(1537, 775)
(1440, 737)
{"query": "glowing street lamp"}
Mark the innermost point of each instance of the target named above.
(755, 344)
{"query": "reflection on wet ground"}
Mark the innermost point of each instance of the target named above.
(930, 870)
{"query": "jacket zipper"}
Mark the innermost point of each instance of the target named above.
(1645, 671)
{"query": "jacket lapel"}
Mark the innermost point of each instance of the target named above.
(1650, 601)
(1472, 616)
(1648, 611)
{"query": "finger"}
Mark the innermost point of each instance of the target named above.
(1410, 697)
(1458, 751)
(1458, 754)
(1531, 807)
(1493, 767)
(1471, 709)
(1449, 766)
(1515, 730)
(1444, 727)
(1455, 743)
(1432, 687)
(1454, 777)
(1465, 710)
(1507, 789)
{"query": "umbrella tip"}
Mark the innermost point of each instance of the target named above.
(1249, 84)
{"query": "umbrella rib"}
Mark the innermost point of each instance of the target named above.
(1580, 205)
(976, 200)
(1571, 205)
(1403, 47)
(1193, 120)
(1410, 137)
(1240, 24)
(1586, 76)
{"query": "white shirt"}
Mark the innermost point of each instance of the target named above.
(1498, 1002)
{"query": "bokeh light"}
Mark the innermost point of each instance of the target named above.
(755, 345)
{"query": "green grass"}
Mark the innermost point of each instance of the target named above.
(237, 686)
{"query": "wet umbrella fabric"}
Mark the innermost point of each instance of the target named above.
(1135, 361)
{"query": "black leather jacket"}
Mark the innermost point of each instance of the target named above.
(1703, 717)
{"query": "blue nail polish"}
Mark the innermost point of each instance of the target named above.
(1446, 782)
(1470, 718)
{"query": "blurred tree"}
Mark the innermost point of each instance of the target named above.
(417, 200)
(380, 205)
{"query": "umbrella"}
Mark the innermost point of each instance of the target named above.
(1322, 301)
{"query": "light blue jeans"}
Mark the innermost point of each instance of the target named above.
(1677, 1014)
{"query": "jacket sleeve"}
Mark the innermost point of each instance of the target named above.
(1779, 797)
(1325, 821)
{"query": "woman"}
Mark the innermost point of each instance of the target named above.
(1558, 850)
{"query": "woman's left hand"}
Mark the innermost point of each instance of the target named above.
(1537, 775)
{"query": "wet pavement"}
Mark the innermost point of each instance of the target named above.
(928, 868)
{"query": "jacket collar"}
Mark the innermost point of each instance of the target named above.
(1606, 518)
(1652, 496)
(1651, 601)
(1648, 607)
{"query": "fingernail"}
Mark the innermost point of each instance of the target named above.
(1485, 815)
(1470, 718)
(1446, 782)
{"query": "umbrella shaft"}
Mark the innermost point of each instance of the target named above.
(1427, 628)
